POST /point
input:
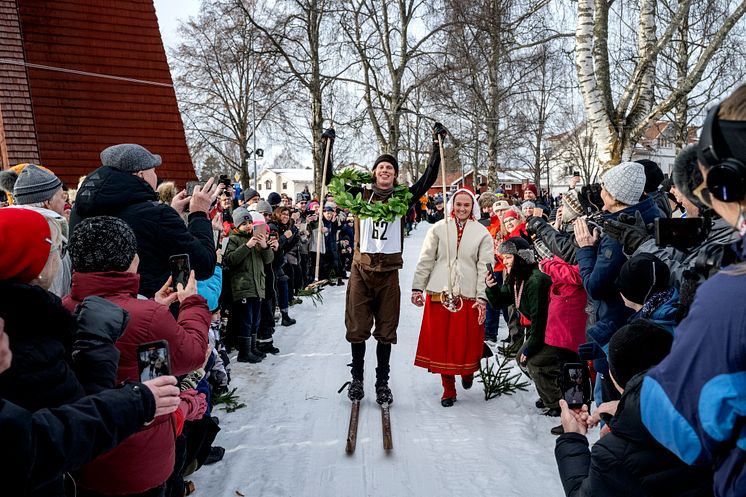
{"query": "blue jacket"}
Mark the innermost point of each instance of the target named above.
(211, 287)
(599, 268)
(694, 402)
(664, 315)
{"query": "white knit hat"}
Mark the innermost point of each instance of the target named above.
(625, 182)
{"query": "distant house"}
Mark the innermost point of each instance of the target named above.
(79, 76)
(574, 151)
(511, 182)
(657, 144)
(289, 181)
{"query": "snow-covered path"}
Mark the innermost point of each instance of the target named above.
(290, 439)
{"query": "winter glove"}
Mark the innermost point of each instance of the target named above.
(98, 321)
(439, 132)
(628, 231)
(329, 134)
(193, 404)
(533, 225)
(590, 351)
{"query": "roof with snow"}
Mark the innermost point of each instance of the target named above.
(295, 175)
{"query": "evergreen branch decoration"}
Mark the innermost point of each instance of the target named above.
(229, 400)
(314, 293)
(500, 381)
(396, 206)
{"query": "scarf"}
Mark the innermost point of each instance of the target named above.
(654, 302)
(382, 193)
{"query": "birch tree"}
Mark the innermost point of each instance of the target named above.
(618, 115)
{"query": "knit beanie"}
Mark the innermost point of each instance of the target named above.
(129, 157)
(242, 215)
(571, 207)
(637, 347)
(625, 182)
(511, 214)
(528, 205)
(519, 247)
(274, 199)
(25, 240)
(532, 187)
(387, 158)
(263, 207)
(653, 175)
(249, 193)
(102, 243)
(642, 276)
(35, 184)
(257, 219)
(330, 207)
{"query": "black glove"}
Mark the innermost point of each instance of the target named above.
(533, 225)
(98, 321)
(590, 351)
(628, 231)
(439, 132)
(329, 134)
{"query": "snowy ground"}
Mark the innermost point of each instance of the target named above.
(290, 439)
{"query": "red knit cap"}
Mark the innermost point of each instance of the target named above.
(25, 249)
(511, 214)
(533, 188)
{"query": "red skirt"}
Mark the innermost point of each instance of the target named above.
(450, 342)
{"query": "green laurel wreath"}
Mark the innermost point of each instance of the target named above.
(396, 206)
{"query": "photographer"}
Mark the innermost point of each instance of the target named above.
(601, 258)
(700, 416)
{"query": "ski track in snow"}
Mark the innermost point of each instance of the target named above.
(289, 440)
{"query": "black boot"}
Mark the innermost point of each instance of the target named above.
(355, 391)
(267, 347)
(287, 320)
(254, 349)
(244, 351)
(383, 394)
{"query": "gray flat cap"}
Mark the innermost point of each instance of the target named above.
(129, 157)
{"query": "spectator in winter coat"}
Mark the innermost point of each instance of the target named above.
(50, 442)
(559, 239)
(43, 335)
(567, 301)
(627, 460)
(528, 288)
(38, 188)
(600, 259)
(699, 415)
(287, 238)
(104, 256)
(329, 248)
(124, 187)
(246, 255)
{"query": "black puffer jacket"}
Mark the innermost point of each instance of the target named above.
(628, 461)
(160, 231)
(40, 332)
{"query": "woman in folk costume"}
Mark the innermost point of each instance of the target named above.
(450, 282)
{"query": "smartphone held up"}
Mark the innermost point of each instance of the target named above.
(153, 360)
(180, 270)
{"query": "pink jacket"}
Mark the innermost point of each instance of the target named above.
(567, 300)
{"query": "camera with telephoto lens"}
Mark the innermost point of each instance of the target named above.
(596, 221)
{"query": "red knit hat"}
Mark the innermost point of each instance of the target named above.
(511, 214)
(24, 236)
(533, 188)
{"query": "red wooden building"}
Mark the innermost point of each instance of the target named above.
(77, 76)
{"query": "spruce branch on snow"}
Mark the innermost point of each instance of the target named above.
(501, 380)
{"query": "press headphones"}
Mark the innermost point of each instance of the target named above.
(726, 176)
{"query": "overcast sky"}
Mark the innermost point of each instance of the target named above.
(169, 13)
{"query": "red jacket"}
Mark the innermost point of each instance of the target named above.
(567, 300)
(146, 459)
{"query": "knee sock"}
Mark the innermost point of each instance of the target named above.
(449, 386)
(358, 360)
(383, 354)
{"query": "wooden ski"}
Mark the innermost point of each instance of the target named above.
(352, 431)
(388, 443)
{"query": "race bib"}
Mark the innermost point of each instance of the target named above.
(380, 237)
